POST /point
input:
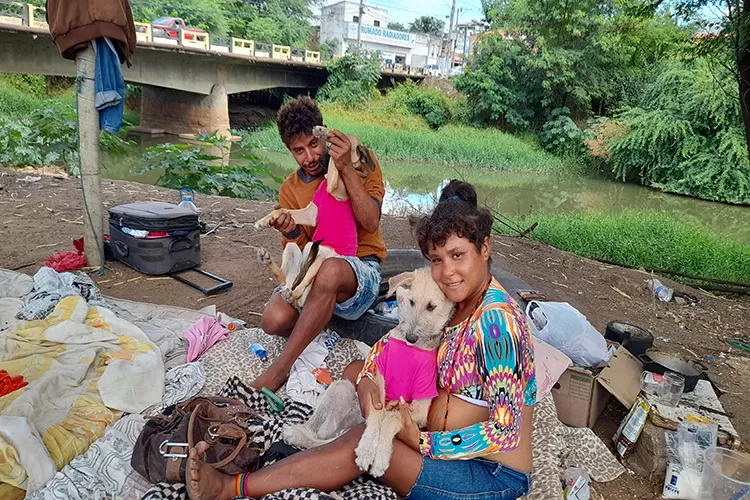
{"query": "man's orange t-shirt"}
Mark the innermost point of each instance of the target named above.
(297, 192)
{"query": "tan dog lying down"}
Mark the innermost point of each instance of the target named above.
(299, 267)
(423, 313)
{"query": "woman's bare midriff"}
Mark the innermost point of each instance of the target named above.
(462, 414)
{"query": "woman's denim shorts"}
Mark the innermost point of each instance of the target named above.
(475, 479)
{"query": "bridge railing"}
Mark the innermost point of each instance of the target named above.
(22, 14)
(25, 14)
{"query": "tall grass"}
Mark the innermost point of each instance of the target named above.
(645, 239)
(21, 95)
(408, 138)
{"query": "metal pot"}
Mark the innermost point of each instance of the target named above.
(632, 337)
(659, 362)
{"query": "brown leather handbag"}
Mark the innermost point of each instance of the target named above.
(160, 453)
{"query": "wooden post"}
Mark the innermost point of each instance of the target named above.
(88, 136)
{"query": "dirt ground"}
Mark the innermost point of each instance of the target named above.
(40, 218)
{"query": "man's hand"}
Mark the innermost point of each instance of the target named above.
(369, 396)
(284, 223)
(340, 150)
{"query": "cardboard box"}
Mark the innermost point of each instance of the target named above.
(581, 395)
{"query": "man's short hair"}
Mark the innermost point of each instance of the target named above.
(296, 117)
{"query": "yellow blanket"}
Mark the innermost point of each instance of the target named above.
(84, 367)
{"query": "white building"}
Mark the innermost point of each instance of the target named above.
(340, 21)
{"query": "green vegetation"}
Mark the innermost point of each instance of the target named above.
(654, 104)
(416, 142)
(37, 129)
(644, 239)
(685, 137)
(284, 22)
(352, 79)
(205, 168)
(20, 95)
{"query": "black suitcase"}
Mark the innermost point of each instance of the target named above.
(179, 250)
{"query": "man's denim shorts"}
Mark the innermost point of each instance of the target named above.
(475, 479)
(367, 273)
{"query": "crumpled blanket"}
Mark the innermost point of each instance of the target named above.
(15, 285)
(102, 471)
(84, 367)
(51, 286)
(180, 384)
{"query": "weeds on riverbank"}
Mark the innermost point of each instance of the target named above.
(644, 239)
(414, 141)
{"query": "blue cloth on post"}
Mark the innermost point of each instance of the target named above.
(109, 86)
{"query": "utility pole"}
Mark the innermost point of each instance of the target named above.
(88, 138)
(450, 36)
(359, 19)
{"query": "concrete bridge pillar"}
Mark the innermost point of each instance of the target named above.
(179, 112)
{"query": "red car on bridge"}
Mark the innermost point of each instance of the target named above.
(170, 26)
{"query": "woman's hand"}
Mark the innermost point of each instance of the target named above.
(409, 433)
(369, 396)
(340, 150)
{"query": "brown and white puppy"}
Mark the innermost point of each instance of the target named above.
(299, 267)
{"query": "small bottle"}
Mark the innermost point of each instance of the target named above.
(187, 199)
(660, 290)
(258, 350)
(630, 427)
(232, 326)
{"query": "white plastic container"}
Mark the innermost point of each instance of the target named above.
(726, 475)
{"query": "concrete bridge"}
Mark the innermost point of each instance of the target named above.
(185, 83)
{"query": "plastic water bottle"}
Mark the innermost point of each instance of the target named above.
(660, 290)
(187, 199)
(258, 350)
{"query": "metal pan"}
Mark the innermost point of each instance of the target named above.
(658, 361)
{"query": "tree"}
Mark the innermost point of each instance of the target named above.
(428, 25)
(397, 27)
(285, 22)
(545, 55)
(725, 39)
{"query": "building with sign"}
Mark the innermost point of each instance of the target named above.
(340, 21)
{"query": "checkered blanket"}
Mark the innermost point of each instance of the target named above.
(268, 432)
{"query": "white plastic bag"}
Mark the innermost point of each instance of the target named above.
(565, 328)
(685, 454)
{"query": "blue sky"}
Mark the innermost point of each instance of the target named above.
(405, 12)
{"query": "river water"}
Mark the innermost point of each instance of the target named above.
(411, 187)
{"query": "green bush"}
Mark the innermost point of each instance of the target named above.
(33, 85)
(432, 105)
(352, 79)
(561, 136)
(199, 168)
(48, 136)
(685, 137)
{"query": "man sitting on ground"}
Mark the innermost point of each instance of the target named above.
(346, 286)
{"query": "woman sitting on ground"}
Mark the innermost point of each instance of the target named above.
(486, 387)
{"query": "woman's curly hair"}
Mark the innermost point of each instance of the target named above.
(296, 117)
(456, 213)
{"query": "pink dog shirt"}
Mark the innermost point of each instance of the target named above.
(336, 224)
(409, 372)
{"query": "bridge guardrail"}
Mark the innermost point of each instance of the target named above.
(22, 14)
(25, 14)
